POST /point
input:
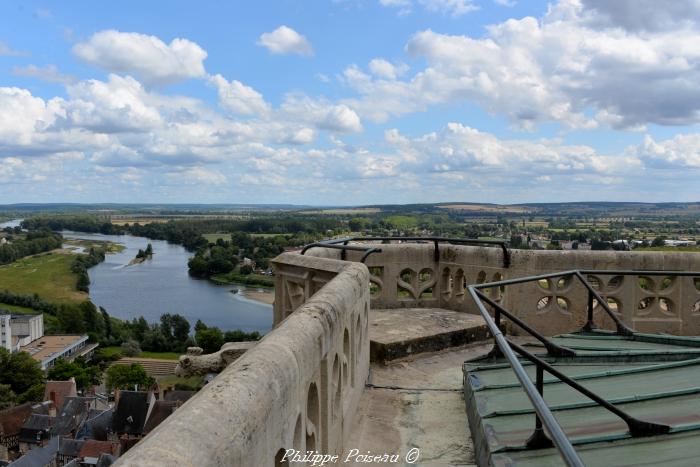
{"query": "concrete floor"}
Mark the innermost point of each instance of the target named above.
(417, 402)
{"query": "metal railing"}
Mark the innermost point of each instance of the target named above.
(503, 244)
(507, 349)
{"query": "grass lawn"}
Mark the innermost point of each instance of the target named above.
(20, 310)
(213, 237)
(46, 274)
(50, 321)
(161, 355)
(112, 351)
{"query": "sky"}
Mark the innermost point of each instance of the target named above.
(349, 102)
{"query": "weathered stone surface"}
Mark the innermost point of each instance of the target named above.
(400, 332)
(195, 363)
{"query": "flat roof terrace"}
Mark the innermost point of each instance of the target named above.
(46, 347)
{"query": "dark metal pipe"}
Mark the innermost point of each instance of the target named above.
(539, 439)
(560, 440)
(622, 329)
(552, 348)
(637, 427)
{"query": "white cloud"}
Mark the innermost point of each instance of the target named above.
(454, 8)
(385, 69)
(285, 40)
(508, 3)
(146, 57)
(642, 15)
(239, 98)
(302, 136)
(117, 105)
(48, 73)
(561, 68)
(681, 151)
(198, 175)
(7, 51)
(449, 7)
(324, 115)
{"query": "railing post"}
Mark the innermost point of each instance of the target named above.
(539, 439)
(589, 326)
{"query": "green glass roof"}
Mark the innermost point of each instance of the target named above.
(654, 378)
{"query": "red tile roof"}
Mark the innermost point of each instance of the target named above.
(93, 448)
(11, 420)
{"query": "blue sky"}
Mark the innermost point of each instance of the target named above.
(349, 102)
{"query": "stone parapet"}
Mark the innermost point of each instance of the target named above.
(298, 388)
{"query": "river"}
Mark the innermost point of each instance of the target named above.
(162, 285)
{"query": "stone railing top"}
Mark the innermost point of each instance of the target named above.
(248, 412)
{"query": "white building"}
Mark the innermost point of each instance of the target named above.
(19, 330)
(5, 332)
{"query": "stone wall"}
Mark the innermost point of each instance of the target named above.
(407, 275)
(298, 388)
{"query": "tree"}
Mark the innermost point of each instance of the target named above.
(128, 377)
(22, 373)
(107, 321)
(8, 398)
(130, 348)
(246, 269)
(238, 336)
(85, 375)
(199, 326)
(659, 241)
(210, 339)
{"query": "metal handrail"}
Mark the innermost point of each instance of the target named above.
(435, 240)
(543, 414)
(367, 250)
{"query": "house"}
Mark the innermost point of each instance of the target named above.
(57, 391)
(36, 431)
(40, 457)
(98, 425)
(93, 449)
(68, 450)
(131, 412)
(11, 421)
(159, 411)
(71, 416)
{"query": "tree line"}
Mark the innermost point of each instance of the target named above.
(31, 244)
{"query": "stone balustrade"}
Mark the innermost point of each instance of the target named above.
(298, 388)
(407, 276)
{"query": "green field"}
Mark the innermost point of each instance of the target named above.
(213, 237)
(117, 351)
(48, 274)
(50, 321)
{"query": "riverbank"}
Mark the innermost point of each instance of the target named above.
(260, 295)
